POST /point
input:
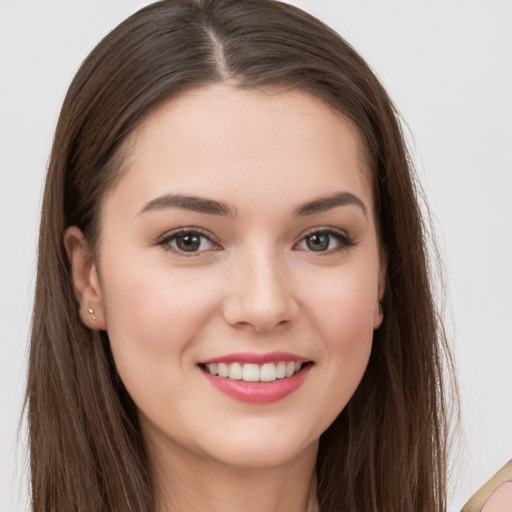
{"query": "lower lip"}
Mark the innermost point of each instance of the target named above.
(258, 392)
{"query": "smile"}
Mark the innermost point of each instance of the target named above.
(250, 372)
(257, 378)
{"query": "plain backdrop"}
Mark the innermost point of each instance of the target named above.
(448, 66)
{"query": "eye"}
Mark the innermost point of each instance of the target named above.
(187, 241)
(326, 240)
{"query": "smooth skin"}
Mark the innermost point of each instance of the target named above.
(282, 254)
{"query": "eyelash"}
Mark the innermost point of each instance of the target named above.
(344, 241)
(168, 238)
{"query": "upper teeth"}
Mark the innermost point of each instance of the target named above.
(254, 372)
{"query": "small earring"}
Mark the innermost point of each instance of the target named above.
(91, 312)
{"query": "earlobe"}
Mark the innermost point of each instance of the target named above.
(85, 279)
(379, 309)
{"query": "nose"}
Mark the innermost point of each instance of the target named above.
(260, 294)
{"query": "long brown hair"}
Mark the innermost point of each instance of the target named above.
(386, 451)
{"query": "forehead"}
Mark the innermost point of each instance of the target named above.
(223, 140)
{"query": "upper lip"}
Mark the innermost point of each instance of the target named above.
(255, 358)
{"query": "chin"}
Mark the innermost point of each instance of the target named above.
(262, 448)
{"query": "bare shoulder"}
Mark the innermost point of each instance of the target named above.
(495, 495)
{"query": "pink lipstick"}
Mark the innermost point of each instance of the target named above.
(258, 378)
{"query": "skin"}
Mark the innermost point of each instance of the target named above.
(495, 495)
(254, 285)
(500, 500)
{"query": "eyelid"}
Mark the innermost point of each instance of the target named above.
(165, 239)
(346, 241)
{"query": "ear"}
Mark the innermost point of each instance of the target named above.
(379, 311)
(85, 279)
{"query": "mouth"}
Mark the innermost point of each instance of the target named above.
(257, 378)
(253, 372)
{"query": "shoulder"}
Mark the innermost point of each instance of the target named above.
(495, 495)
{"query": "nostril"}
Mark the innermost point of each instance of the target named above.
(249, 317)
(260, 298)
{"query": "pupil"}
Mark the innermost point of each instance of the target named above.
(188, 243)
(318, 242)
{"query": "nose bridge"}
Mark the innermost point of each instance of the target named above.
(261, 295)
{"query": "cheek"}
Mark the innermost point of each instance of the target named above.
(155, 302)
(347, 328)
(343, 306)
(342, 311)
(153, 316)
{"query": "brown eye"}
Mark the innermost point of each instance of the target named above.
(318, 242)
(327, 240)
(188, 243)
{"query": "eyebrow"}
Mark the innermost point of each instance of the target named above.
(212, 207)
(193, 203)
(324, 204)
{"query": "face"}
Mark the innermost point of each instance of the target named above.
(237, 274)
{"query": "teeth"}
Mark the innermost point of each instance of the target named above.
(281, 370)
(251, 372)
(223, 370)
(235, 371)
(268, 372)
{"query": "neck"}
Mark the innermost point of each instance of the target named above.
(186, 481)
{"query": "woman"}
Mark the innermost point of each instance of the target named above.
(233, 307)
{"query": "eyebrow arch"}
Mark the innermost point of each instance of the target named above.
(324, 204)
(193, 203)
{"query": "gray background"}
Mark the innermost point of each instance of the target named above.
(448, 66)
